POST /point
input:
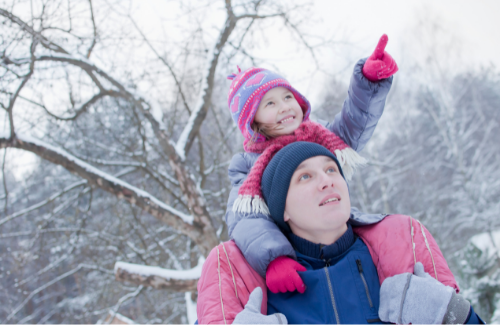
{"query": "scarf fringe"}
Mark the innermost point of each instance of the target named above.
(349, 160)
(247, 204)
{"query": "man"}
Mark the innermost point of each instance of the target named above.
(308, 198)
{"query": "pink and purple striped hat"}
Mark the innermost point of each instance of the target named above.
(247, 90)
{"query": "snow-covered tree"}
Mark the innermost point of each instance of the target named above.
(128, 135)
(479, 272)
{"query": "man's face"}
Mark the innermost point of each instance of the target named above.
(318, 199)
(279, 106)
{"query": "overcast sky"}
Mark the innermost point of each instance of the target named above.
(475, 21)
(469, 28)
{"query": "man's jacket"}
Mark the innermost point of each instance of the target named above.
(394, 245)
(341, 290)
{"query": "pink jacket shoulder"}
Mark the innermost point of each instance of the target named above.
(225, 285)
(397, 242)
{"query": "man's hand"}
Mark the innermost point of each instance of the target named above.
(252, 315)
(420, 299)
(282, 276)
(380, 65)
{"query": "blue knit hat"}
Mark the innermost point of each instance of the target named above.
(279, 172)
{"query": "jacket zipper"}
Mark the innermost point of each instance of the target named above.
(331, 293)
(360, 269)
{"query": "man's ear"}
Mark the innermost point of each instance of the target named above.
(286, 217)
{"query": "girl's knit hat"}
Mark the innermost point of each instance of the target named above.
(250, 199)
(247, 90)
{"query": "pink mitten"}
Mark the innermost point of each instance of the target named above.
(380, 64)
(282, 276)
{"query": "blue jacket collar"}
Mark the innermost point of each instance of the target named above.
(321, 251)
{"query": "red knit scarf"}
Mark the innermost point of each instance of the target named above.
(250, 197)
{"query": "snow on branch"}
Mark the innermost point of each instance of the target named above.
(54, 196)
(103, 180)
(204, 100)
(159, 278)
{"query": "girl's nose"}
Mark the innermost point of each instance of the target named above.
(284, 107)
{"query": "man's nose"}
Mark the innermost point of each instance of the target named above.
(324, 181)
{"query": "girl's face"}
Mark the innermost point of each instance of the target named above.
(318, 204)
(280, 107)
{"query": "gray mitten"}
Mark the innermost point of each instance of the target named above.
(251, 314)
(420, 299)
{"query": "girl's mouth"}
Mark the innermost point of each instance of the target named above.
(287, 119)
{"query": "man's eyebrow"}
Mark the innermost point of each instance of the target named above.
(302, 165)
(327, 159)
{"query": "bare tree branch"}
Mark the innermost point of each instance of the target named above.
(166, 63)
(302, 38)
(195, 200)
(42, 203)
(48, 284)
(195, 120)
(5, 189)
(39, 37)
(123, 300)
(94, 39)
(84, 106)
(158, 278)
(199, 231)
(55, 196)
(253, 16)
(14, 96)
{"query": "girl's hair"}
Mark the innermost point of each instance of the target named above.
(266, 129)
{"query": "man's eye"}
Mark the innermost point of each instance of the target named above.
(331, 170)
(304, 177)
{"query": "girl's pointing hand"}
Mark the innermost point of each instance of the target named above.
(380, 65)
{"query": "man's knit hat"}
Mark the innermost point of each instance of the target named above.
(247, 90)
(279, 172)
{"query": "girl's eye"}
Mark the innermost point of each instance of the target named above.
(269, 103)
(304, 177)
(288, 96)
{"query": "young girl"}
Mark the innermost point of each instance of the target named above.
(271, 113)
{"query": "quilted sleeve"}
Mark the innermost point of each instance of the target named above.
(362, 109)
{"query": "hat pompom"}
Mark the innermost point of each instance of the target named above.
(233, 75)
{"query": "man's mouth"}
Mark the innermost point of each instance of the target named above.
(287, 119)
(332, 199)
